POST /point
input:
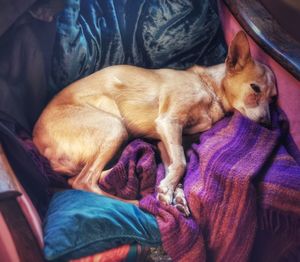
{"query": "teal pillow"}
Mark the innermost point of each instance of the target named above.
(80, 223)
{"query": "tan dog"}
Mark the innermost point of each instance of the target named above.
(85, 124)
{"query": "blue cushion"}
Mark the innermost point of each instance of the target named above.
(92, 34)
(80, 223)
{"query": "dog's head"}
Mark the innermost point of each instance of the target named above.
(249, 86)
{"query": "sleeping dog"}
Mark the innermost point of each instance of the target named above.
(82, 128)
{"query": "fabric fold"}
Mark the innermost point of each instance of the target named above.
(241, 179)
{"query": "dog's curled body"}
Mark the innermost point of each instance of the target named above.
(133, 96)
(85, 124)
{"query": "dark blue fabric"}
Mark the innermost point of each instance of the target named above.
(92, 34)
(80, 223)
(28, 174)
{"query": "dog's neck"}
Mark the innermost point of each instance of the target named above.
(216, 75)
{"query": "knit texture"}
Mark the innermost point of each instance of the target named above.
(241, 180)
(242, 185)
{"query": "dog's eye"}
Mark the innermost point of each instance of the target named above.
(255, 88)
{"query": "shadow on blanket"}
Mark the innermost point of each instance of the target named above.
(242, 185)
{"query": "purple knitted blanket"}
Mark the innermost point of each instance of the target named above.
(242, 185)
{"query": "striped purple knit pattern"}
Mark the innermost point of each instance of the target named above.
(241, 180)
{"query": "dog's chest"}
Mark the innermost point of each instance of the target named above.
(204, 114)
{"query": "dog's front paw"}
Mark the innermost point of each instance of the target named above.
(169, 196)
(179, 201)
(165, 194)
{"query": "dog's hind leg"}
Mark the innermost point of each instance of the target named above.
(110, 138)
(79, 141)
(108, 135)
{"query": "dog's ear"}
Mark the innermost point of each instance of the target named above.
(239, 53)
